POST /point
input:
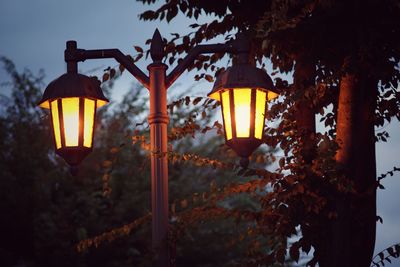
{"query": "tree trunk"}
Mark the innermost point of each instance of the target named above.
(354, 229)
(304, 77)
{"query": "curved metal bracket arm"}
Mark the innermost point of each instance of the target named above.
(192, 55)
(75, 55)
(237, 46)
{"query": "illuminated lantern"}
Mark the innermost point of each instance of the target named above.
(243, 91)
(73, 99)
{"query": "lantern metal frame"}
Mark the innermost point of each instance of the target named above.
(241, 76)
(157, 83)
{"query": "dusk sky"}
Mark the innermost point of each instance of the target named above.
(33, 36)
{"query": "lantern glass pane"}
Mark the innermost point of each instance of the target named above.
(56, 123)
(226, 112)
(70, 110)
(242, 98)
(261, 98)
(88, 122)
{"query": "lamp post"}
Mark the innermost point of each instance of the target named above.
(73, 99)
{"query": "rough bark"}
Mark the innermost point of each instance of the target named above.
(355, 227)
(304, 77)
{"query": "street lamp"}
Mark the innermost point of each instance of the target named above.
(243, 91)
(73, 99)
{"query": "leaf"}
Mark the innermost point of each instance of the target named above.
(184, 203)
(138, 49)
(197, 100)
(282, 162)
(187, 100)
(183, 7)
(121, 68)
(194, 25)
(209, 78)
(107, 163)
(306, 247)
(139, 56)
(391, 252)
(294, 252)
(381, 256)
(280, 255)
(397, 248)
(186, 40)
(112, 73)
(114, 150)
(106, 76)
(172, 13)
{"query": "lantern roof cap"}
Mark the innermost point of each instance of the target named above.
(72, 85)
(242, 76)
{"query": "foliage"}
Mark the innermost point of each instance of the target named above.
(334, 38)
(386, 255)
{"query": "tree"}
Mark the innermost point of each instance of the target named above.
(351, 54)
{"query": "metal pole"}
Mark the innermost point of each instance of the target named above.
(158, 120)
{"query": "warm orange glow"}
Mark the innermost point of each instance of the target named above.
(56, 123)
(242, 99)
(45, 104)
(100, 103)
(88, 122)
(261, 98)
(272, 95)
(226, 112)
(70, 112)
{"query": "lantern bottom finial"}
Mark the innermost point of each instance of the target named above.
(244, 147)
(73, 155)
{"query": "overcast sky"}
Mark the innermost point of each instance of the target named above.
(33, 35)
